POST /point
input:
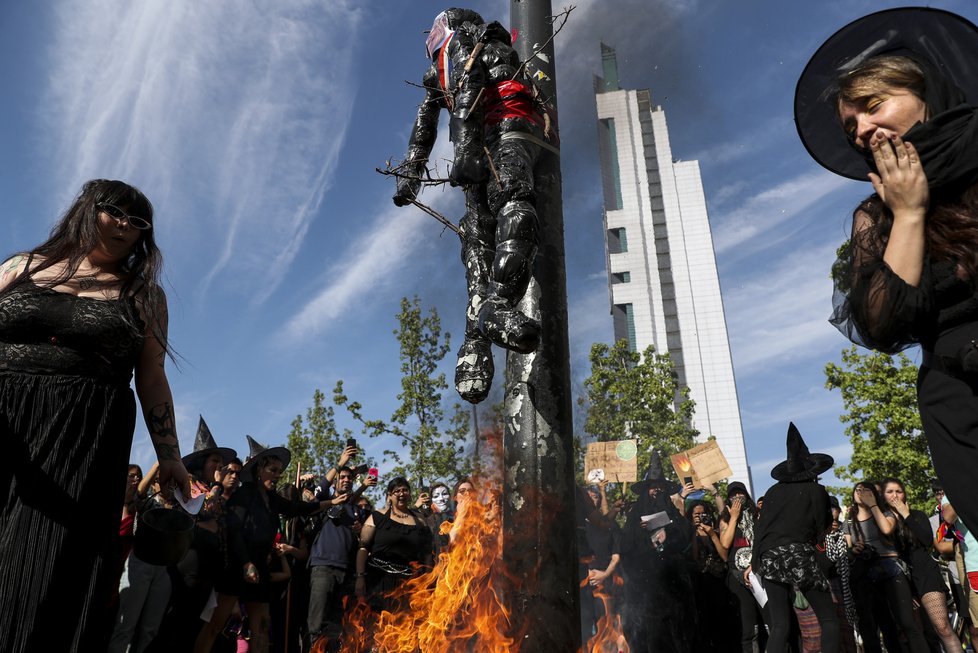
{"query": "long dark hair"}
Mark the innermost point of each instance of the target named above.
(77, 233)
(853, 514)
(904, 536)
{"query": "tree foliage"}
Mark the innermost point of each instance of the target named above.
(882, 421)
(315, 442)
(632, 395)
(434, 451)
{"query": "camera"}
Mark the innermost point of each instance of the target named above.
(334, 512)
(706, 519)
(360, 470)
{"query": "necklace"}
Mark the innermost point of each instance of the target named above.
(397, 514)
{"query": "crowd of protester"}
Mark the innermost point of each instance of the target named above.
(270, 566)
(697, 570)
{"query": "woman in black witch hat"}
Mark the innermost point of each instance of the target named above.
(658, 614)
(796, 516)
(253, 522)
(208, 560)
(891, 97)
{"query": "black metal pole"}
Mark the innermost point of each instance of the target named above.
(539, 545)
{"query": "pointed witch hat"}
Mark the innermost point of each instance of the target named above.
(204, 446)
(257, 450)
(801, 465)
(654, 476)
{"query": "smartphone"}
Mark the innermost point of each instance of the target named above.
(687, 480)
(361, 469)
(373, 472)
(351, 442)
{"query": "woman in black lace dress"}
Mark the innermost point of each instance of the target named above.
(79, 315)
(892, 98)
(393, 546)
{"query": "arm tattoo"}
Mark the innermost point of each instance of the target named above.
(161, 429)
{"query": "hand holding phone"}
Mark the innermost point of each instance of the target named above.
(373, 473)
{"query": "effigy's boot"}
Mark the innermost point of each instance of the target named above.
(474, 368)
(504, 325)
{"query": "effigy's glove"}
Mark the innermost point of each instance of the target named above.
(469, 166)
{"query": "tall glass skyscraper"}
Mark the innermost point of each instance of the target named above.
(662, 272)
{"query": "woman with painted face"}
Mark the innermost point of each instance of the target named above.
(393, 546)
(253, 522)
(892, 98)
(81, 315)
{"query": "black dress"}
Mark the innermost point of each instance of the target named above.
(67, 416)
(398, 551)
(875, 308)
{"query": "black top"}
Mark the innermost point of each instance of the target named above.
(253, 523)
(604, 541)
(792, 513)
(43, 331)
(400, 543)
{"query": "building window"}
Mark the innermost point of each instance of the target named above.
(623, 318)
(621, 277)
(612, 177)
(617, 242)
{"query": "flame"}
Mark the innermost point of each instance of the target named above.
(683, 462)
(608, 636)
(457, 605)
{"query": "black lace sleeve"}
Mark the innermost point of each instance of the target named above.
(872, 306)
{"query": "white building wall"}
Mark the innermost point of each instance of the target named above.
(685, 317)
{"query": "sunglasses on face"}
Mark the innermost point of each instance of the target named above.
(118, 215)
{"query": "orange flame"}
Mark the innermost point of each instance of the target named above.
(683, 462)
(608, 636)
(458, 605)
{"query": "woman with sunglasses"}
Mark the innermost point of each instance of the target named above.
(81, 315)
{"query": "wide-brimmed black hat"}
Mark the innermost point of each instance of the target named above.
(204, 446)
(942, 42)
(654, 476)
(257, 450)
(801, 465)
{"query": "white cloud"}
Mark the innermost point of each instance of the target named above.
(753, 223)
(780, 314)
(243, 109)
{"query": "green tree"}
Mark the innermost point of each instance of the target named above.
(879, 394)
(433, 451)
(315, 442)
(632, 395)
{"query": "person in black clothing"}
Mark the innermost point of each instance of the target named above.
(796, 515)
(658, 615)
(737, 535)
(253, 521)
(394, 545)
(915, 540)
(600, 556)
(193, 578)
(716, 609)
(893, 98)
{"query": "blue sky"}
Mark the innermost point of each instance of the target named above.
(255, 129)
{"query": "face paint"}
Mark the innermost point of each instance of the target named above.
(439, 498)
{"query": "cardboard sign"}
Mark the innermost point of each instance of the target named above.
(616, 461)
(705, 463)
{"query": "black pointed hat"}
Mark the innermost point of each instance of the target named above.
(939, 41)
(654, 475)
(257, 450)
(801, 465)
(204, 446)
